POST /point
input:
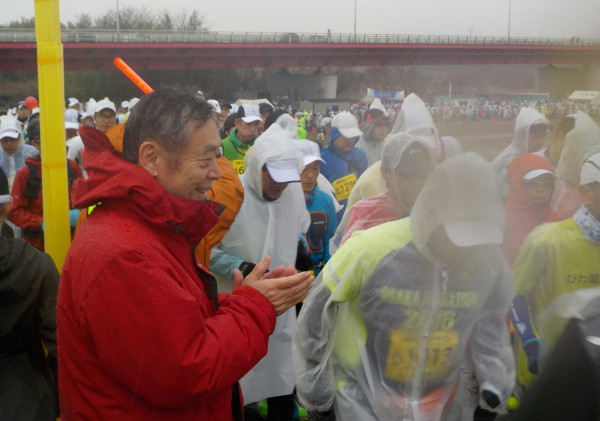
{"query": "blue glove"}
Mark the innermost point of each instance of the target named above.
(73, 216)
(532, 349)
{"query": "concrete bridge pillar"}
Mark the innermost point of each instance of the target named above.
(560, 82)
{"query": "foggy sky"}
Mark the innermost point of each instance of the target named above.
(529, 18)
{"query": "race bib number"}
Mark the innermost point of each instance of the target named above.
(343, 186)
(238, 164)
(403, 354)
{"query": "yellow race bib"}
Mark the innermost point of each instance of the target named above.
(403, 354)
(343, 186)
(238, 164)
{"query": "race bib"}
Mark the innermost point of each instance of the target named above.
(343, 186)
(403, 354)
(238, 164)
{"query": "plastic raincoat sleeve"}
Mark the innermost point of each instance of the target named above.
(490, 341)
(169, 352)
(223, 264)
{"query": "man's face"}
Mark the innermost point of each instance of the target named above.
(589, 194)
(23, 113)
(272, 190)
(380, 131)
(537, 138)
(223, 114)
(404, 187)
(344, 144)
(105, 119)
(247, 132)
(196, 167)
(540, 189)
(10, 145)
(309, 175)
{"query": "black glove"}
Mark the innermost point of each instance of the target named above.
(246, 268)
(490, 398)
(532, 349)
(303, 260)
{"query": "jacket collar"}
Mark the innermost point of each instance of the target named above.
(116, 182)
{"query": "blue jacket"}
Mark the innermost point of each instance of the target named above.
(323, 223)
(338, 169)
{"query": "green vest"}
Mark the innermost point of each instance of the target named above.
(235, 151)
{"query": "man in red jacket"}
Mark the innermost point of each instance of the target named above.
(142, 332)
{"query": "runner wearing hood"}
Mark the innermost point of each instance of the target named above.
(14, 150)
(531, 183)
(383, 332)
(556, 259)
(345, 163)
(375, 127)
(269, 223)
(531, 129)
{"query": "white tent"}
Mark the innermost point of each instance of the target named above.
(588, 96)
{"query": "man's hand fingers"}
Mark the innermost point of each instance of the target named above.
(238, 278)
(260, 269)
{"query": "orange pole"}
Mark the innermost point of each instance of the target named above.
(133, 76)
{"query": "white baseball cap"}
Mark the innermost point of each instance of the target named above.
(347, 124)
(105, 104)
(73, 101)
(125, 104)
(248, 113)
(530, 175)
(12, 133)
(283, 171)
(71, 117)
(214, 104)
(310, 151)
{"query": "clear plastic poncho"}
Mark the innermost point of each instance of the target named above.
(526, 118)
(384, 331)
(267, 228)
(13, 163)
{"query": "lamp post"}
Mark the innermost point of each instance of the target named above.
(354, 20)
(118, 23)
(509, 1)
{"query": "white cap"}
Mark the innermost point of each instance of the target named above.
(248, 113)
(283, 171)
(466, 233)
(35, 111)
(214, 104)
(105, 104)
(125, 104)
(71, 117)
(73, 101)
(347, 124)
(310, 151)
(12, 133)
(530, 175)
(590, 170)
(132, 102)
(378, 105)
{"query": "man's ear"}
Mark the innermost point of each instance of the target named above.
(149, 156)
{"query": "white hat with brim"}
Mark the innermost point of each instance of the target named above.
(283, 171)
(536, 173)
(73, 101)
(467, 233)
(249, 113)
(105, 104)
(35, 111)
(13, 134)
(346, 124)
(309, 159)
(590, 170)
(71, 125)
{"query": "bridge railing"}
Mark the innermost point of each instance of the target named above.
(129, 36)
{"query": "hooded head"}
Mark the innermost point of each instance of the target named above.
(461, 201)
(10, 128)
(529, 124)
(274, 145)
(580, 143)
(414, 118)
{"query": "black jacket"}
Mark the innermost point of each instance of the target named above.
(28, 288)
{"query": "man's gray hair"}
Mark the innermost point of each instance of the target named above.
(165, 116)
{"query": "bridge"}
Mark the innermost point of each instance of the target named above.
(170, 50)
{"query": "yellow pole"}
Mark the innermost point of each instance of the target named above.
(57, 233)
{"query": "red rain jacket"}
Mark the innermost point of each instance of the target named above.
(142, 334)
